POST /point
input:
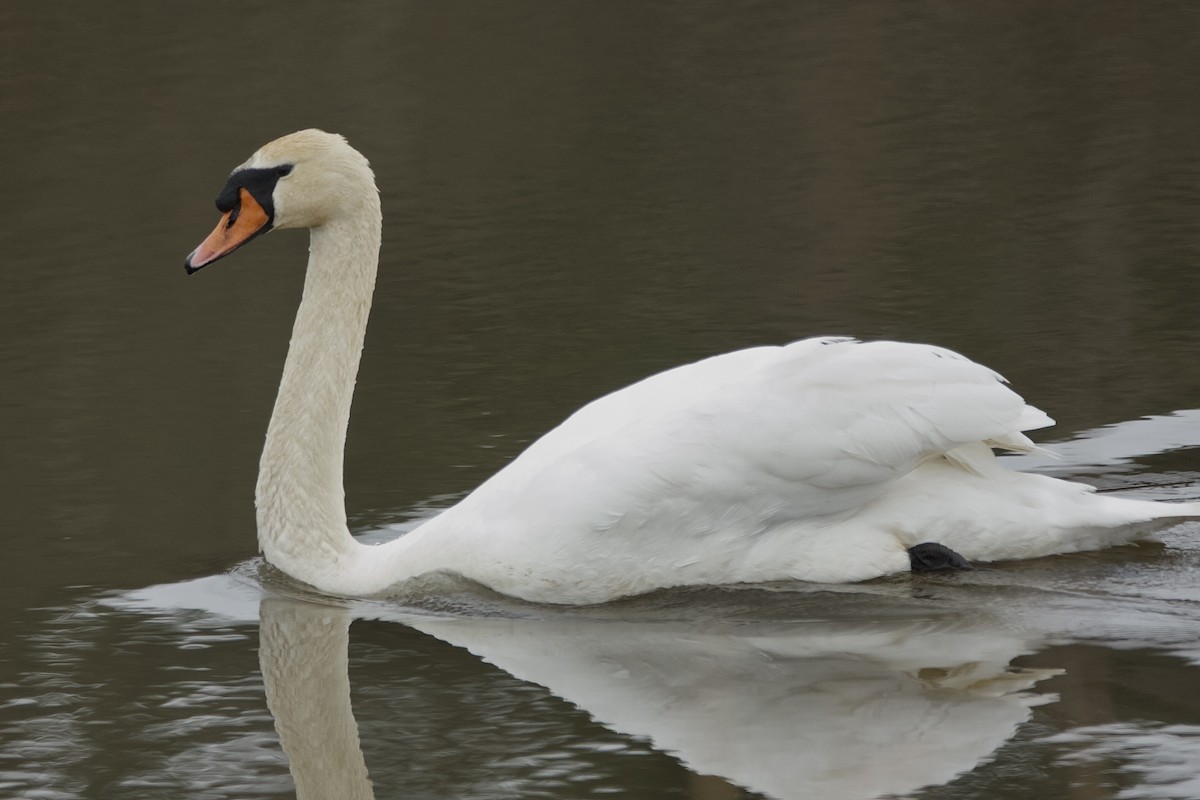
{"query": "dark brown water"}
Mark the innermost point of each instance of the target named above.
(576, 195)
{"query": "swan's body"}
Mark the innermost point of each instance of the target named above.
(823, 460)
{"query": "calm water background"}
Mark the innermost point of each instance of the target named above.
(576, 195)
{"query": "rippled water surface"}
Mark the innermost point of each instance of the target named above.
(576, 195)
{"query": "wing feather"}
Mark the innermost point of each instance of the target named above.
(814, 428)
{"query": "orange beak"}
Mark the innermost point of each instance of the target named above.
(236, 228)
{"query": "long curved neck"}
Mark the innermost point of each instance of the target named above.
(300, 499)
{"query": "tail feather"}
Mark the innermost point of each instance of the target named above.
(1190, 510)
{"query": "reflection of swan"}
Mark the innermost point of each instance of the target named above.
(819, 710)
(825, 460)
(834, 708)
(302, 653)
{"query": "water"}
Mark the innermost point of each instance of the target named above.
(575, 195)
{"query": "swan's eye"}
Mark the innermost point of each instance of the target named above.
(283, 170)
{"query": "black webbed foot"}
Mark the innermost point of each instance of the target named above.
(933, 557)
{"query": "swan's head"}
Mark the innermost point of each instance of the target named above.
(302, 180)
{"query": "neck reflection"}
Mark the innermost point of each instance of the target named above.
(303, 657)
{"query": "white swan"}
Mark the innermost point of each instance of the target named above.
(823, 460)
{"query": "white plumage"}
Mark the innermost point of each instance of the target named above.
(822, 460)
